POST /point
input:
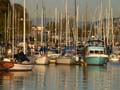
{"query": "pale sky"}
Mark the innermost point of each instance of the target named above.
(50, 6)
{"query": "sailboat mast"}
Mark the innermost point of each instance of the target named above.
(24, 27)
(13, 31)
(8, 23)
(18, 27)
(75, 24)
(61, 30)
(36, 23)
(66, 9)
(108, 21)
(100, 34)
(5, 29)
(55, 25)
(7, 37)
(77, 37)
(52, 31)
(113, 42)
(42, 23)
(86, 17)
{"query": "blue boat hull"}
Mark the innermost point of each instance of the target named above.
(96, 60)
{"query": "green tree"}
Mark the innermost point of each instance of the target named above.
(19, 21)
(3, 9)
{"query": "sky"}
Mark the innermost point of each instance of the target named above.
(50, 6)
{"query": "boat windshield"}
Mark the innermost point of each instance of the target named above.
(96, 52)
(95, 42)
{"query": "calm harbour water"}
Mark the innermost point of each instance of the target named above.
(63, 77)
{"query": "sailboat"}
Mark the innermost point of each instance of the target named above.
(5, 62)
(115, 54)
(54, 51)
(25, 65)
(43, 58)
(114, 49)
(69, 50)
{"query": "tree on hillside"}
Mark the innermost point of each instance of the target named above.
(6, 19)
(19, 21)
(3, 11)
(4, 6)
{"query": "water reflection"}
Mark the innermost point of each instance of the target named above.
(40, 77)
(66, 77)
(53, 77)
(56, 77)
(96, 78)
(63, 77)
(114, 69)
(13, 80)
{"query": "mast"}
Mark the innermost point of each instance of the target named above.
(113, 39)
(5, 29)
(52, 31)
(18, 27)
(75, 24)
(100, 32)
(61, 30)
(15, 26)
(68, 30)
(77, 36)
(24, 27)
(66, 12)
(55, 25)
(8, 20)
(58, 28)
(13, 31)
(108, 22)
(36, 26)
(86, 17)
(42, 23)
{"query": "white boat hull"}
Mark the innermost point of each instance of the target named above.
(22, 67)
(41, 60)
(114, 58)
(65, 60)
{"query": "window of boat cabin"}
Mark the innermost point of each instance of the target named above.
(96, 52)
(101, 52)
(91, 52)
